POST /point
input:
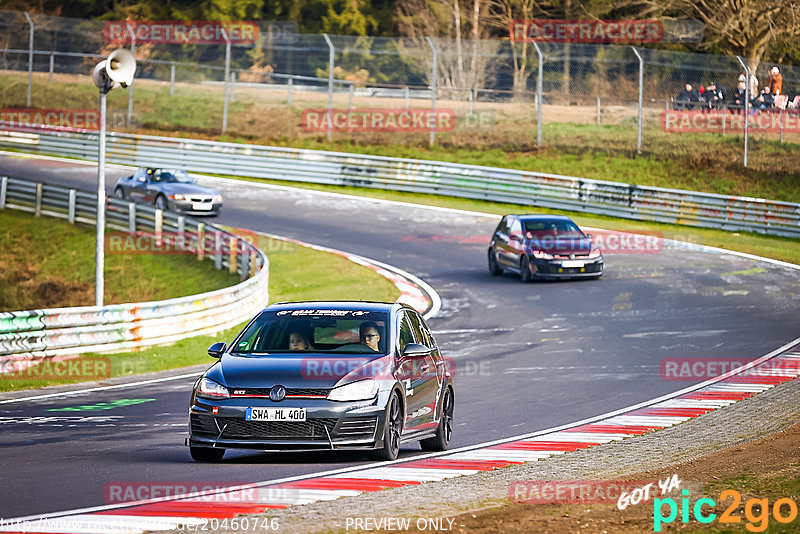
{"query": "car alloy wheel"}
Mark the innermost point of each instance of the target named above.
(161, 203)
(525, 270)
(444, 432)
(119, 193)
(494, 268)
(392, 430)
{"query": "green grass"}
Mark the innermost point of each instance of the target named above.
(47, 263)
(296, 273)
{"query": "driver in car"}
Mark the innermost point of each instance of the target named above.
(369, 335)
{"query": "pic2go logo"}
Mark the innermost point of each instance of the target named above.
(756, 511)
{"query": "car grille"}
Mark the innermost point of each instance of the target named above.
(290, 391)
(200, 198)
(238, 428)
(362, 427)
(552, 268)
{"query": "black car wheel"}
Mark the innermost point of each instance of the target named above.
(441, 441)
(161, 203)
(119, 193)
(206, 454)
(525, 270)
(494, 268)
(392, 430)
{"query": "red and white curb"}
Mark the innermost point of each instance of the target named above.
(413, 290)
(187, 510)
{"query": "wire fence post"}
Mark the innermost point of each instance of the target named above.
(641, 88)
(469, 110)
(171, 78)
(225, 81)
(598, 111)
(331, 51)
(434, 73)
(746, 102)
(30, 55)
(289, 93)
(100, 221)
(233, 86)
(405, 96)
(539, 95)
(130, 87)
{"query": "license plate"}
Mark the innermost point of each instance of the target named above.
(201, 206)
(275, 414)
(569, 264)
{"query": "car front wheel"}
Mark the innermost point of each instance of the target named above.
(525, 270)
(392, 430)
(444, 432)
(161, 203)
(494, 267)
(119, 193)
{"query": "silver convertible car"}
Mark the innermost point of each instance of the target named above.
(169, 189)
(324, 375)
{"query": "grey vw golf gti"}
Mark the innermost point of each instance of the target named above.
(324, 375)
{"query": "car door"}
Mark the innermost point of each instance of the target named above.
(509, 252)
(500, 240)
(434, 370)
(138, 186)
(414, 373)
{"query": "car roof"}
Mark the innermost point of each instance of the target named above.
(543, 217)
(335, 305)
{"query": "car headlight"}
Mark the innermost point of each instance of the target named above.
(177, 196)
(361, 390)
(541, 255)
(217, 198)
(211, 390)
(595, 253)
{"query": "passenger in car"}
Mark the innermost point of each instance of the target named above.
(369, 335)
(298, 341)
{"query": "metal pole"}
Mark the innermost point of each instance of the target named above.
(130, 87)
(598, 111)
(641, 86)
(782, 111)
(227, 75)
(331, 51)
(539, 96)
(171, 78)
(469, 112)
(289, 93)
(434, 73)
(350, 99)
(746, 102)
(233, 86)
(101, 205)
(405, 95)
(30, 55)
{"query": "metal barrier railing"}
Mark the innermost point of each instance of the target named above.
(33, 334)
(526, 188)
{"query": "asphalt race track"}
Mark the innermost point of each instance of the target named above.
(528, 357)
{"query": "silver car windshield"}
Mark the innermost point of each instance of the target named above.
(317, 331)
(171, 176)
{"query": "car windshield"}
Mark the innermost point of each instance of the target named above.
(315, 330)
(554, 228)
(171, 176)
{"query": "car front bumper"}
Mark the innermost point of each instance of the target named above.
(541, 268)
(329, 425)
(185, 206)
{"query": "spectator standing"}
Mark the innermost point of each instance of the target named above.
(715, 96)
(775, 81)
(686, 99)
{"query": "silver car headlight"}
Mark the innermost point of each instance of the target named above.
(354, 391)
(208, 389)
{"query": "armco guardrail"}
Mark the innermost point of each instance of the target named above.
(487, 183)
(31, 335)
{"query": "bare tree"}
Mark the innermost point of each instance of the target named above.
(743, 27)
(448, 24)
(502, 14)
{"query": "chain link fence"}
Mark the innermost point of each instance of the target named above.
(286, 85)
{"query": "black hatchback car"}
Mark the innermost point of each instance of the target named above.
(169, 189)
(543, 246)
(324, 375)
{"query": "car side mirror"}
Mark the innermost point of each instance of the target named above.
(216, 350)
(416, 350)
(515, 237)
(142, 179)
(590, 236)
